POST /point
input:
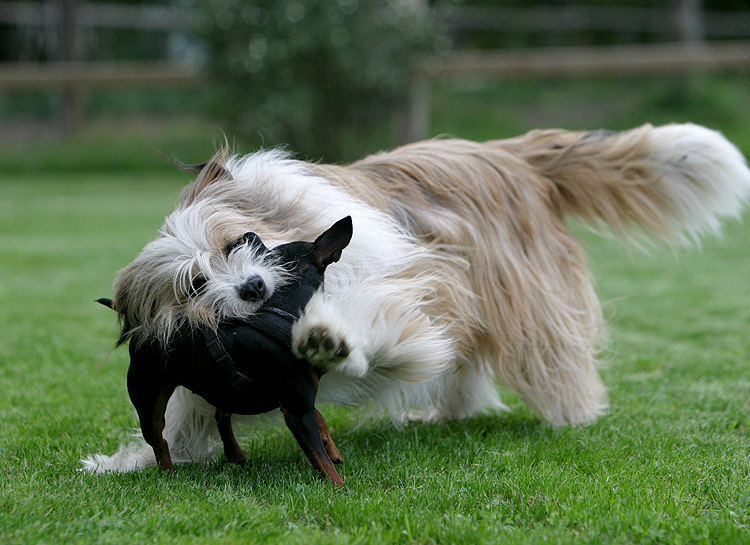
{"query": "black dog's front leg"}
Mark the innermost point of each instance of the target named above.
(330, 446)
(305, 428)
(297, 402)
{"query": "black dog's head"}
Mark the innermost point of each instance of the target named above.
(305, 263)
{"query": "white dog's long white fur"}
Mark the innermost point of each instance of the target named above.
(461, 270)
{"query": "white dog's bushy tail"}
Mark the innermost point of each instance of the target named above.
(674, 181)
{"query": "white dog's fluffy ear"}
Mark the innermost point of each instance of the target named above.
(208, 173)
(328, 246)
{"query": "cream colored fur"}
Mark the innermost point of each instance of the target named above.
(461, 271)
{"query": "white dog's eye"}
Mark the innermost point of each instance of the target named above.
(232, 246)
(197, 286)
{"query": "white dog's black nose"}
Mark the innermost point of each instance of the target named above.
(252, 289)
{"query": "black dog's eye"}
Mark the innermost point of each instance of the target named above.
(197, 285)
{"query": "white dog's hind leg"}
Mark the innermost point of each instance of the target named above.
(190, 432)
(470, 390)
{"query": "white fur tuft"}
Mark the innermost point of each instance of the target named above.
(191, 434)
(706, 176)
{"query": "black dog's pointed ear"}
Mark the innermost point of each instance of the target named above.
(328, 246)
(106, 302)
(254, 241)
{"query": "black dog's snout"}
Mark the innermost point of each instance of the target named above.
(252, 289)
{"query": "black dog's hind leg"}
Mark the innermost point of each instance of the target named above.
(232, 449)
(150, 391)
(325, 435)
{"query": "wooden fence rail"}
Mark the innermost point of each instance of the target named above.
(703, 57)
(163, 18)
(655, 58)
(656, 21)
(85, 75)
(63, 19)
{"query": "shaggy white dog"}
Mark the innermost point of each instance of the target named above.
(462, 269)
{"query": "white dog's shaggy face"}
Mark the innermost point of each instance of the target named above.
(207, 264)
(203, 267)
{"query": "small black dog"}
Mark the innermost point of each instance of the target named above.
(246, 366)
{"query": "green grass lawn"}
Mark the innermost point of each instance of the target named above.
(669, 464)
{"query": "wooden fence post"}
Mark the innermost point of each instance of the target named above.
(689, 20)
(418, 112)
(74, 96)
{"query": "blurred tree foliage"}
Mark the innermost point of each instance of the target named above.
(318, 75)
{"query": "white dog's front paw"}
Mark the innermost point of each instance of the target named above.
(324, 347)
(320, 345)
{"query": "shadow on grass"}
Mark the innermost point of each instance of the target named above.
(371, 451)
(489, 428)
